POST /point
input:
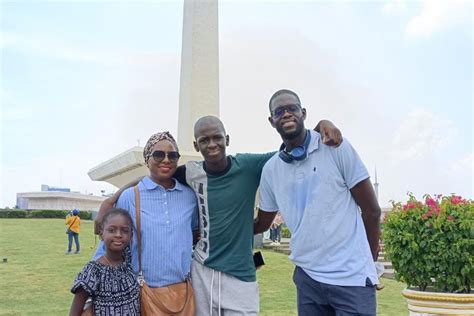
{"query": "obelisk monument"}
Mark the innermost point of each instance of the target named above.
(199, 86)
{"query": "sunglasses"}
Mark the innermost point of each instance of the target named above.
(159, 155)
(290, 108)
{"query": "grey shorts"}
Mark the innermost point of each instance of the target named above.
(214, 290)
(316, 298)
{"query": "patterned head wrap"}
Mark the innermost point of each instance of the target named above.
(155, 138)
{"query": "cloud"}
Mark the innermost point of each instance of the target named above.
(65, 170)
(421, 133)
(464, 164)
(394, 6)
(13, 109)
(54, 48)
(435, 15)
(438, 14)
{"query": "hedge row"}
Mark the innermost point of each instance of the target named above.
(17, 213)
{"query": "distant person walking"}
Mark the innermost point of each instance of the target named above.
(73, 221)
(275, 229)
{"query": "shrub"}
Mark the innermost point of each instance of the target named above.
(13, 214)
(4, 213)
(48, 214)
(285, 232)
(85, 215)
(431, 243)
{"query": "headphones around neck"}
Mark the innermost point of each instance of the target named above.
(298, 153)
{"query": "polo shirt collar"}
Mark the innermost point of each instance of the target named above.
(314, 142)
(150, 185)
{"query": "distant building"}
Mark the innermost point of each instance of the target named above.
(45, 187)
(51, 198)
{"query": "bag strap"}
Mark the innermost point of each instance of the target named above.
(72, 223)
(137, 216)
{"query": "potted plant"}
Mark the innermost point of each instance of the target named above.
(431, 246)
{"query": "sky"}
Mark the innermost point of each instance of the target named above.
(83, 81)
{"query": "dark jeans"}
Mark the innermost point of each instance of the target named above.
(316, 298)
(275, 234)
(70, 236)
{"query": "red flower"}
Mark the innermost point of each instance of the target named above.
(450, 218)
(430, 202)
(456, 200)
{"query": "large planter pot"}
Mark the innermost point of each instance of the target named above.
(434, 303)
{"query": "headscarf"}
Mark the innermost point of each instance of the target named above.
(155, 138)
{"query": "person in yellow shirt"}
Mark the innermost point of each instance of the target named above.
(73, 222)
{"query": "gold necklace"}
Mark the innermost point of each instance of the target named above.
(108, 262)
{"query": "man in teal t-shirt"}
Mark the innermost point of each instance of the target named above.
(226, 201)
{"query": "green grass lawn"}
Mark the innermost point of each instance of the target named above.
(38, 275)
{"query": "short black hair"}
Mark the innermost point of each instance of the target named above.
(208, 119)
(280, 92)
(117, 211)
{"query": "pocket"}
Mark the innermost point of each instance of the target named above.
(368, 283)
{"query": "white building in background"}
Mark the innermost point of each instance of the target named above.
(58, 199)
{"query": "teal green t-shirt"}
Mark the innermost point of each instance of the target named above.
(226, 212)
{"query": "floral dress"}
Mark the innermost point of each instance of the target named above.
(114, 289)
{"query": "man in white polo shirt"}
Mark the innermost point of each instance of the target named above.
(329, 205)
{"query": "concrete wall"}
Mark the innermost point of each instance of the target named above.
(58, 201)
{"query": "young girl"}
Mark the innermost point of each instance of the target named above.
(110, 280)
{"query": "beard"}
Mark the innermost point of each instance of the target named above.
(292, 134)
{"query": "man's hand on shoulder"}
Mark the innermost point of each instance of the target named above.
(109, 203)
(330, 134)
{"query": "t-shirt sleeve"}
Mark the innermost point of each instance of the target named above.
(349, 164)
(87, 280)
(267, 201)
(257, 161)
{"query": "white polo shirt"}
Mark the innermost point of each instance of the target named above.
(328, 236)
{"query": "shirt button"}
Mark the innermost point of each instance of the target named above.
(166, 212)
(167, 222)
(165, 203)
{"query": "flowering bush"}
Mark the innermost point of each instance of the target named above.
(431, 243)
